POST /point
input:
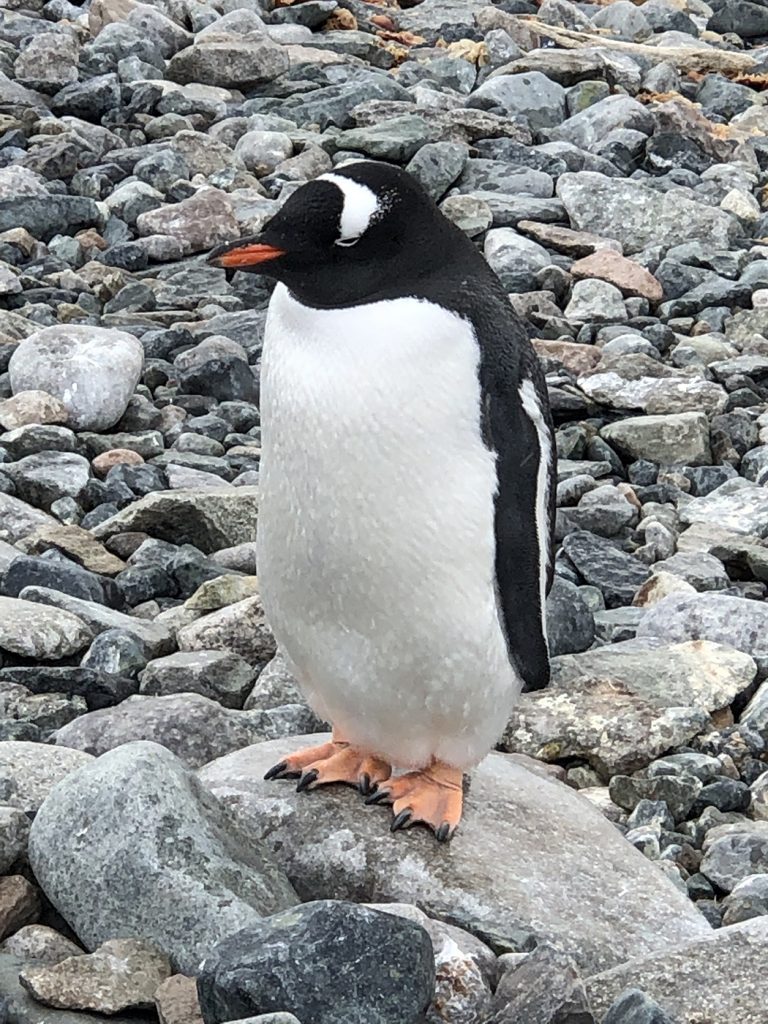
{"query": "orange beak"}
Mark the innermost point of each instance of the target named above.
(243, 254)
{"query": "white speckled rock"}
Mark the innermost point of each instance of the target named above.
(530, 857)
(92, 370)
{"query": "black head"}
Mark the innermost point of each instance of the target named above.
(349, 234)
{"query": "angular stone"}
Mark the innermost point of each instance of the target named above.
(574, 357)
(737, 505)
(732, 858)
(614, 572)
(40, 944)
(629, 277)
(229, 63)
(697, 673)
(544, 989)
(360, 964)
(196, 729)
(29, 771)
(600, 721)
(734, 991)
(532, 95)
(31, 407)
(18, 519)
(19, 904)
(583, 887)
(198, 223)
(218, 675)
(639, 216)
(123, 974)
(34, 631)
(176, 1001)
(155, 637)
(14, 830)
(157, 855)
(241, 628)
(209, 520)
(653, 395)
(77, 544)
(721, 618)
(680, 438)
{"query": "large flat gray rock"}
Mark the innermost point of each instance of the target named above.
(721, 979)
(530, 856)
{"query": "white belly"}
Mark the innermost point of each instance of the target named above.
(375, 540)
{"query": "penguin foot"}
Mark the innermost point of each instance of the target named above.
(432, 797)
(335, 761)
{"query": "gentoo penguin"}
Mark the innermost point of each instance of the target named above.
(407, 474)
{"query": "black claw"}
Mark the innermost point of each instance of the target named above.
(306, 780)
(401, 821)
(364, 784)
(443, 834)
(378, 796)
(276, 771)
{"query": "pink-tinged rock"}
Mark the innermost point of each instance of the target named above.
(115, 457)
(628, 276)
(579, 359)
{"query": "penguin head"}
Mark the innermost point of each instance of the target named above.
(343, 236)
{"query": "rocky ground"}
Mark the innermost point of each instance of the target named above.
(610, 159)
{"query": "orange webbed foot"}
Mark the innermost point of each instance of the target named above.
(433, 797)
(335, 761)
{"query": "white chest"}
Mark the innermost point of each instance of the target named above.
(376, 544)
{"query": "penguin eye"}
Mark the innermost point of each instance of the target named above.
(346, 242)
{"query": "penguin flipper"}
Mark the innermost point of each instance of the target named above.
(519, 429)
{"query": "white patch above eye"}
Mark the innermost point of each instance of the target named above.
(360, 206)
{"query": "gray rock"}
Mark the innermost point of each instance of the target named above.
(14, 830)
(532, 95)
(635, 1007)
(615, 573)
(219, 675)
(596, 121)
(697, 673)
(47, 215)
(229, 62)
(469, 213)
(199, 222)
(92, 370)
(702, 571)
(209, 520)
(639, 216)
(570, 623)
(275, 686)
(18, 520)
(29, 771)
(327, 842)
(724, 619)
(157, 855)
(596, 301)
(652, 395)
(155, 637)
(624, 20)
(679, 793)
(732, 858)
(737, 505)
(748, 899)
(46, 477)
(123, 974)
(361, 967)
(515, 258)
(437, 166)
(34, 631)
(730, 960)
(195, 728)
(20, 1008)
(395, 138)
(680, 438)
(543, 989)
(240, 627)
